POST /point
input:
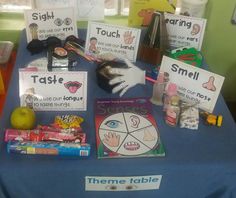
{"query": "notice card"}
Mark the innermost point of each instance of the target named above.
(53, 91)
(120, 41)
(185, 31)
(133, 183)
(195, 85)
(41, 24)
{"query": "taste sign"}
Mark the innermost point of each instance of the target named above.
(52, 91)
(195, 85)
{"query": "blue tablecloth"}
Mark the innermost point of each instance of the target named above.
(198, 164)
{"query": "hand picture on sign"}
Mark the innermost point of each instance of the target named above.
(128, 38)
(111, 139)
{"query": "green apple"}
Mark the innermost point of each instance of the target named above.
(23, 118)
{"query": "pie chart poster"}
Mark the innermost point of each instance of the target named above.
(125, 127)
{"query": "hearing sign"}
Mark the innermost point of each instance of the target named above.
(195, 85)
(184, 31)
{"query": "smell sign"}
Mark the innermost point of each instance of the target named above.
(195, 85)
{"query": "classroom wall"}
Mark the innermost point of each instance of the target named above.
(219, 47)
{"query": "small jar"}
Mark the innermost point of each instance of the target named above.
(173, 111)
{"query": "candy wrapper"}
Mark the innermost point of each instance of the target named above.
(67, 121)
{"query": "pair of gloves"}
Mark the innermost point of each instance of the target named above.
(126, 77)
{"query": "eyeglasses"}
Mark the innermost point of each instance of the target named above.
(36, 46)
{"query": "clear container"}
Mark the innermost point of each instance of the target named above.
(193, 8)
(5, 52)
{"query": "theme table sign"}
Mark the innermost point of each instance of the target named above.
(59, 22)
(121, 41)
(185, 31)
(195, 85)
(132, 183)
(53, 91)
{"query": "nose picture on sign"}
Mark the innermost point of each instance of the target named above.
(210, 84)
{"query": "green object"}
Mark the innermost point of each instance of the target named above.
(188, 55)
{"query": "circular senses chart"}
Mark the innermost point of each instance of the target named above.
(128, 134)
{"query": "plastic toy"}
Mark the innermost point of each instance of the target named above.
(211, 119)
(188, 55)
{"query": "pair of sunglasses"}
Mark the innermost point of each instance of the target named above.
(36, 46)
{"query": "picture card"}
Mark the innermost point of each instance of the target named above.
(195, 85)
(184, 31)
(122, 42)
(131, 183)
(53, 91)
(43, 23)
(84, 9)
(90, 10)
(42, 4)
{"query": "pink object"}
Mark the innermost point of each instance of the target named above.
(39, 135)
(160, 77)
(171, 89)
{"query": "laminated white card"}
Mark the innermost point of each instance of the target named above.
(43, 23)
(90, 10)
(195, 85)
(132, 183)
(53, 91)
(184, 31)
(123, 42)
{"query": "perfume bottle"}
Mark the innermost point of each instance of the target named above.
(171, 90)
(173, 111)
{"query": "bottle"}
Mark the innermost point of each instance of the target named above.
(158, 90)
(170, 91)
(173, 111)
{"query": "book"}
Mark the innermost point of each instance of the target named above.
(140, 12)
(126, 128)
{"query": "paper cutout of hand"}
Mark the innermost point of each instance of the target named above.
(111, 139)
(127, 78)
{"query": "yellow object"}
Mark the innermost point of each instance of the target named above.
(212, 119)
(68, 121)
(140, 11)
(2, 88)
(23, 118)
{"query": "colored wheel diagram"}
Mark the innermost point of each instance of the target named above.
(128, 134)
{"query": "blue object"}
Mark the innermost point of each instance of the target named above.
(197, 164)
